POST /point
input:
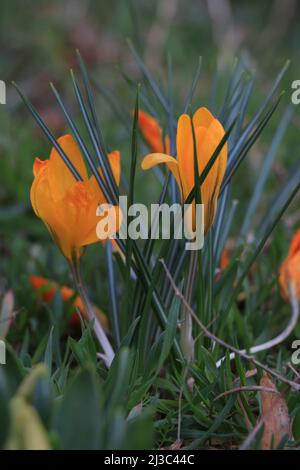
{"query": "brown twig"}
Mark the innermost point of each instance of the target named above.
(222, 343)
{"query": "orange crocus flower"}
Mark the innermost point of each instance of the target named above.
(67, 206)
(289, 271)
(152, 133)
(47, 290)
(208, 134)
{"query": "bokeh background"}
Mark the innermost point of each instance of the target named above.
(38, 43)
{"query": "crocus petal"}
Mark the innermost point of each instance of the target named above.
(46, 287)
(60, 217)
(47, 290)
(156, 158)
(38, 165)
(60, 177)
(78, 303)
(202, 118)
(208, 133)
(216, 132)
(185, 149)
(225, 259)
(289, 276)
(207, 141)
(40, 196)
(40, 178)
(295, 244)
(289, 271)
(80, 205)
(152, 133)
(68, 207)
(114, 159)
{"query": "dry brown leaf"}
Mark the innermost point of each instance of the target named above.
(274, 414)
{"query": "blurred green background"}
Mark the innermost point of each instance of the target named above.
(38, 43)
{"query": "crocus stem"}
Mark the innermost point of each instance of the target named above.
(186, 331)
(99, 332)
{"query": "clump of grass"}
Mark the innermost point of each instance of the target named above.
(151, 396)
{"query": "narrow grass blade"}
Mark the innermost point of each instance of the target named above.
(129, 241)
(112, 284)
(155, 88)
(252, 257)
(233, 165)
(104, 164)
(82, 145)
(172, 127)
(242, 111)
(115, 106)
(220, 217)
(278, 201)
(251, 125)
(233, 79)
(193, 86)
(144, 99)
(225, 230)
(91, 101)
